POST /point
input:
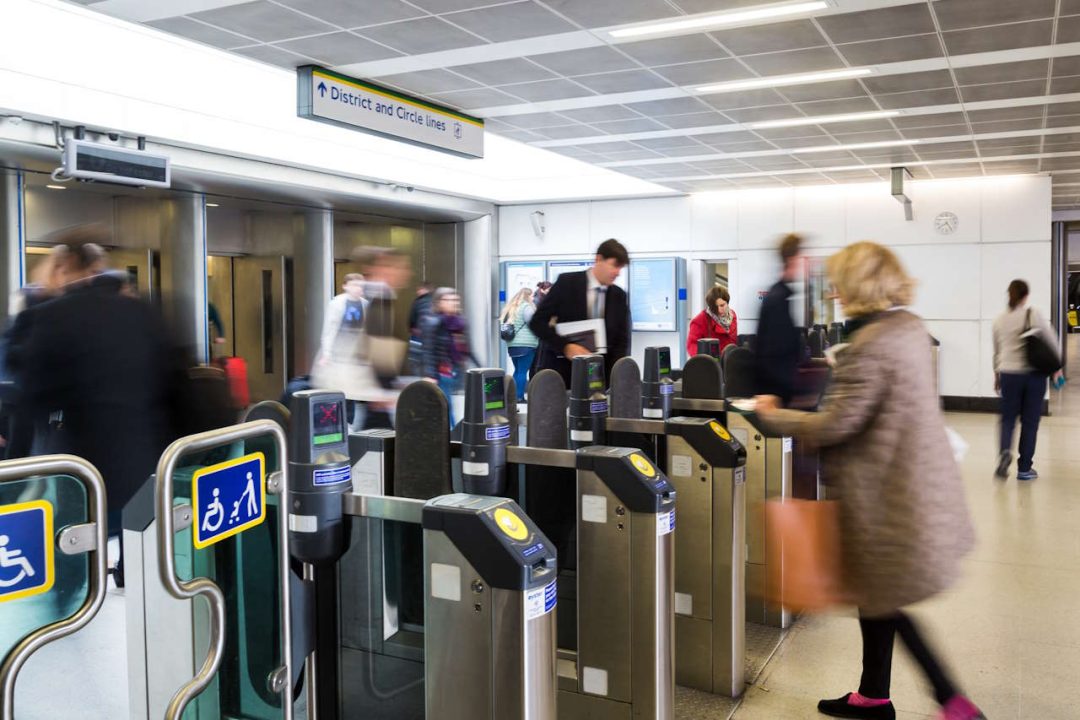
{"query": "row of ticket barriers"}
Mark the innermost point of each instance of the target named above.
(577, 560)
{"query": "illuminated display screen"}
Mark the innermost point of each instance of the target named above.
(327, 423)
(493, 394)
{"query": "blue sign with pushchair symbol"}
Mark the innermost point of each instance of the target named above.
(228, 498)
(26, 550)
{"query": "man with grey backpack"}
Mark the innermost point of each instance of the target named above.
(1026, 352)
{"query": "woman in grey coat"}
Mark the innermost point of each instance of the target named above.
(904, 521)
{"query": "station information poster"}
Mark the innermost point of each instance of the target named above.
(523, 275)
(653, 294)
(558, 267)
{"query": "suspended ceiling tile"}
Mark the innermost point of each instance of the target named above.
(584, 61)
(666, 143)
(837, 107)
(775, 163)
(531, 121)
(743, 98)
(706, 72)
(963, 146)
(802, 142)
(741, 147)
(915, 47)
(669, 106)
(341, 48)
(954, 14)
(1009, 113)
(613, 146)
(668, 51)
(711, 185)
(1066, 108)
(516, 21)
(426, 82)
(860, 126)
(623, 81)
(807, 179)
(1063, 121)
(935, 131)
(1003, 91)
(200, 32)
(847, 176)
(771, 38)
(867, 137)
(928, 153)
(349, 14)
(675, 169)
(957, 170)
(1063, 85)
(693, 120)
(1064, 66)
(916, 121)
(263, 20)
(602, 13)
(944, 96)
(544, 90)
(878, 24)
(687, 151)
(799, 131)
(1003, 72)
(759, 182)
(1068, 29)
(566, 132)
(604, 113)
(721, 167)
(909, 82)
(443, 6)
(795, 61)
(827, 159)
(641, 154)
(889, 156)
(727, 137)
(832, 90)
(504, 72)
(1002, 37)
(423, 35)
(994, 146)
(618, 127)
(1007, 126)
(1064, 138)
(274, 56)
(520, 135)
(478, 98)
(776, 112)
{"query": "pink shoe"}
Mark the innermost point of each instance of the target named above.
(960, 708)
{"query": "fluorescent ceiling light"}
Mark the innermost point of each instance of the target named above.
(825, 119)
(784, 80)
(211, 205)
(56, 187)
(704, 22)
(856, 146)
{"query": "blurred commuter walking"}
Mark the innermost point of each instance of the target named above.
(904, 521)
(343, 324)
(521, 345)
(778, 346)
(1022, 387)
(446, 344)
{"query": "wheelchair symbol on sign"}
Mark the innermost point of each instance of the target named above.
(214, 510)
(13, 558)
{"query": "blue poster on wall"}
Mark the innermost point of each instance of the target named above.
(653, 294)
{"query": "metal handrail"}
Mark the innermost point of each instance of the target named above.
(181, 590)
(88, 475)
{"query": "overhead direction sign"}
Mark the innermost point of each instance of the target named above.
(342, 100)
(26, 550)
(228, 498)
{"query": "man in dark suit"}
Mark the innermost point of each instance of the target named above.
(587, 295)
(777, 346)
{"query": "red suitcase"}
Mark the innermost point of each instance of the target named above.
(236, 374)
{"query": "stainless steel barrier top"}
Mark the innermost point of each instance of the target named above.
(75, 536)
(166, 535)
(384, 507)
(636, 425)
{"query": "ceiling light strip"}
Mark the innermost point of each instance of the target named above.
(824, 119)
(702, 23)
(772, 81)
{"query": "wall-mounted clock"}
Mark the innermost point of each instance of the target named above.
(946, 223)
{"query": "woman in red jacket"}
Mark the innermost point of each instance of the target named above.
(717, 320)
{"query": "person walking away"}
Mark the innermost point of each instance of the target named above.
(103, 359)
(446, 344)
(587, 295)
(778, 346)
(421, 306)
(904, 523)
(1022, 388)
(343, 324)
(717, 321)
(521, 347)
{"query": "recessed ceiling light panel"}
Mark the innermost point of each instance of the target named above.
(712, 21)
(785, 80)
(825, 119)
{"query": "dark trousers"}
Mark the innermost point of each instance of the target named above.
(878, 635)
(1021, 396)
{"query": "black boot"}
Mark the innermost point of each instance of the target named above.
(841, 709)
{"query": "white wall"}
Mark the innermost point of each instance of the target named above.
(1003, 233)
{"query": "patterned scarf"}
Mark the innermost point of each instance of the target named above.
(723, 321)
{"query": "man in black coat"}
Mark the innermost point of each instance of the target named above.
(777, 346)
(585, 295)
(103, 359)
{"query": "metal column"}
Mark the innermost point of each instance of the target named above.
(12, 236)
(313, 285)
(481, 269)
(183, 271)
(1059, 285)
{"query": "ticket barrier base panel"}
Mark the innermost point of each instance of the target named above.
(768, 476)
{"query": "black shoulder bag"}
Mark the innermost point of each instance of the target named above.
(1041, 356)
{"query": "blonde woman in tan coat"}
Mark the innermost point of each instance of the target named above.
(886, 456)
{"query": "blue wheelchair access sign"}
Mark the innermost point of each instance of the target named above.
(26, 550)
(228, 498)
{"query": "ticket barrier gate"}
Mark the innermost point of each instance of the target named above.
(768, 477)
(54, 569)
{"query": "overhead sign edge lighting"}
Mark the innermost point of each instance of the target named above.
(331, 97)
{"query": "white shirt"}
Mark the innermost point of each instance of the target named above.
(1010, 353)
(590, 296)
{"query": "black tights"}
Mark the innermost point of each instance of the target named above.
(877, 636)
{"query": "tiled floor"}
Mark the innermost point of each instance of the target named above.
(1008, 629)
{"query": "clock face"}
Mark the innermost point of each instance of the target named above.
(946, 223)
